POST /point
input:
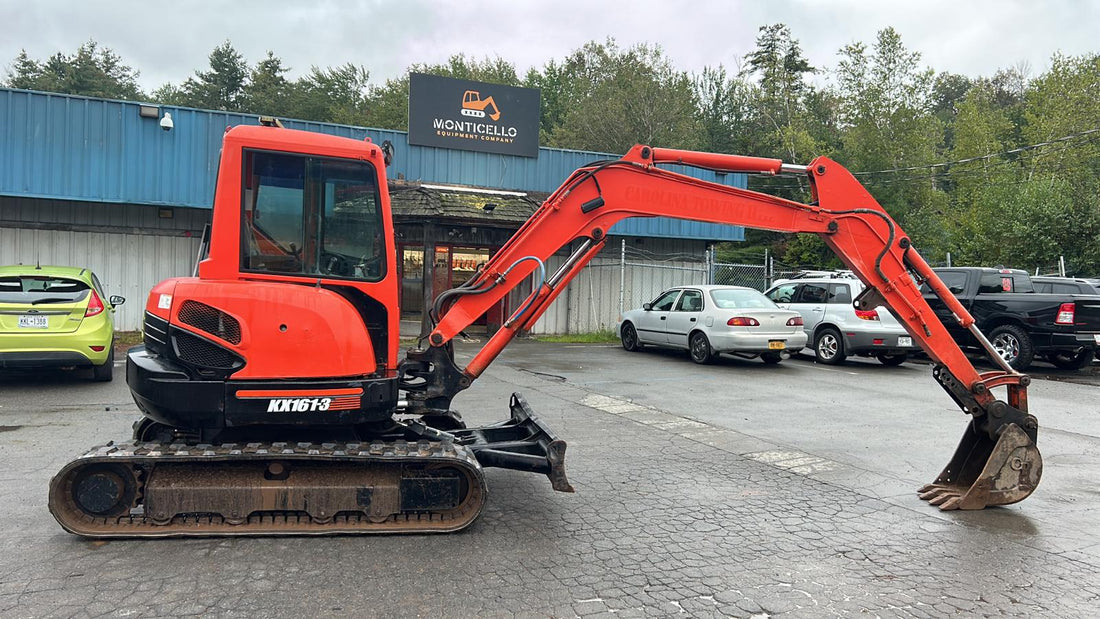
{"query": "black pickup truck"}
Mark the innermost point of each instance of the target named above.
(1019, 322)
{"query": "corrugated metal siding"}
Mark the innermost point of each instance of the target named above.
(77, 148)
(126, 264)
(591, 301)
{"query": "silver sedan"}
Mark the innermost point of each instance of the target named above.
(710, 320)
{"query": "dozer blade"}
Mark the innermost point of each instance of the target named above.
(983, 472)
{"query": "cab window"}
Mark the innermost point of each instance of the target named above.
(311, 216)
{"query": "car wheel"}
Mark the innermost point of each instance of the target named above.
(1070, 361)
(104, 373)
(829, 347)
(771, 358)
(700, 349)
(892, 360)
(629, 336)
(1013, 345)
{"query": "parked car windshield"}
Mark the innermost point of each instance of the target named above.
(733, 298)
(41, 289)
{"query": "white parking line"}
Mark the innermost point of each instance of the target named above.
(814, 366)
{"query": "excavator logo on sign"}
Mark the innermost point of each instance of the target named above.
(473, 105)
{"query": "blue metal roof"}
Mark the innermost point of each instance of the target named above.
(78, 148)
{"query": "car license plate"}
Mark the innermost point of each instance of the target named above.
(34, 322)
(776, 345)
(905, 341)
(1096, 337)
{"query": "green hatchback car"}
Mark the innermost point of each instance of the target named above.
(56, 317)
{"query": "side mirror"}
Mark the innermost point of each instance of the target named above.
(117, 300)
(647, 306)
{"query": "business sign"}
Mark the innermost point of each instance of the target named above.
(465, 115)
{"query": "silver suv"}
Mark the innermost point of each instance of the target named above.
(836, 329)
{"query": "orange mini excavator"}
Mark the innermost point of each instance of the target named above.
(275, 400)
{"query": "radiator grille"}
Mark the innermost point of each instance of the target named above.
(211, 320)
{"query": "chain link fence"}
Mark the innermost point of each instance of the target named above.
(759, 276)
(613, 284)
(644, 276)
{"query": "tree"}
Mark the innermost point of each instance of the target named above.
(613, 98)
(267, 90)
(885, 108)
(1061, 106)
(948, 90)
(724, 111)
(982, 132)
(780, 99)
(337, 95)
(220, 88)
(92, 71)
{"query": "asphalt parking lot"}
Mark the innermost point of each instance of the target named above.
(736, 489)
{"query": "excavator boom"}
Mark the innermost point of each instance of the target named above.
(997, 462)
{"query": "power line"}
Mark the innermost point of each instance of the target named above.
(956, 174)
(990, 156)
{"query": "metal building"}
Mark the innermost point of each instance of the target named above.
(98, 183)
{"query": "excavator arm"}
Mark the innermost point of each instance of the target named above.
(996, 463)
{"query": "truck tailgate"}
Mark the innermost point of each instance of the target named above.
(1086, 318)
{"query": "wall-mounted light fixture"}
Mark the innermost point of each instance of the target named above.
(148, 111)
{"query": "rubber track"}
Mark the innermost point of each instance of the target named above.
(142, 457)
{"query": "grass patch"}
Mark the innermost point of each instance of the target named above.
(126, 339)
(608, 336)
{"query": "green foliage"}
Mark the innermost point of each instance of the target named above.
(614, 98)
(92, 71)
(268, 91)
(220, 88)
(606, 336)
(337, 95)
(808, 250)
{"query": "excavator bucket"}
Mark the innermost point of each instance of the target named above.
(983, 472)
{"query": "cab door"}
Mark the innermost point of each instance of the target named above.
(653, 323)
(684, 317)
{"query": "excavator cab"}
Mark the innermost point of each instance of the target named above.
(296, 305)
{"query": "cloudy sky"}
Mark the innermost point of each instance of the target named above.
(167, 42)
